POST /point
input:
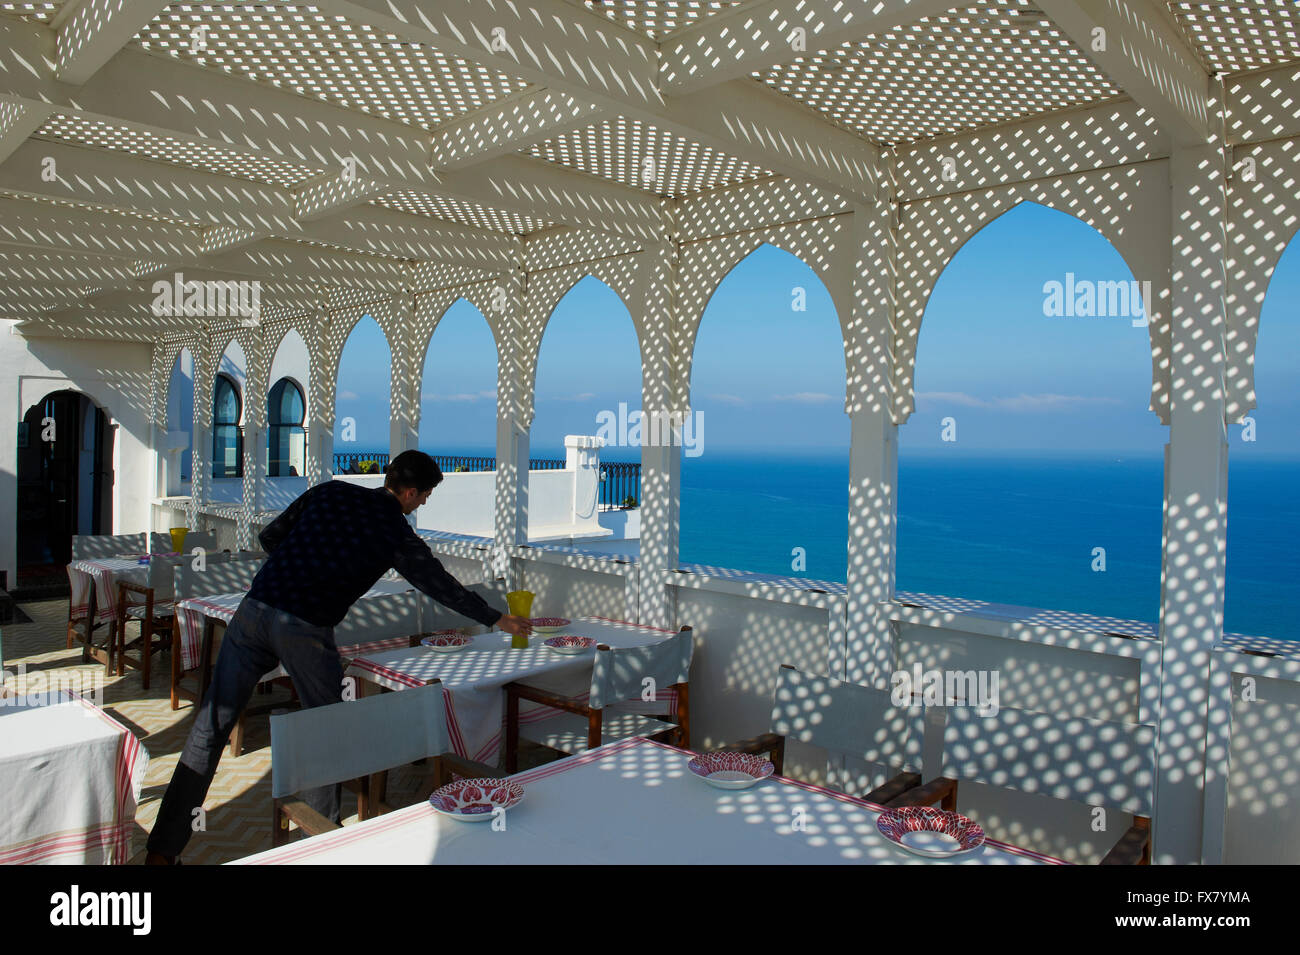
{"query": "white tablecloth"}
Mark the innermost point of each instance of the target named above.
(70, 778)
(473, 678)
(632, 802)
(221, 607)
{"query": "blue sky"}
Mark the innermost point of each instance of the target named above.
(768, 377)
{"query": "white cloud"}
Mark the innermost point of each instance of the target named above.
(805, 398)
(461, 396)
(583, 396)
(728, 399)
(348, 396)
(1021, 402)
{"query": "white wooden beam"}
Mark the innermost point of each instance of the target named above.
(510, 125)
(96, 31)
(1140, 48)
(18, 120)
(333, 194)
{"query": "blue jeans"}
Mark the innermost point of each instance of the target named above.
(256, 640)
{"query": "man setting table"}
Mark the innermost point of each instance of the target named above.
(325, 551)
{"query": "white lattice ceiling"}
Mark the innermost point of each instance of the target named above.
(85, 132)
(298, 48)
(976, 66)
(645, 157)
(1242, 36)
(658, 18)
(90, 207)
(35, 11)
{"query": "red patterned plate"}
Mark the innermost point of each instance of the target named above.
(446, 641)
(929, 832)
(567, 643)
(550, 624)
(473, 800)
(731, 770)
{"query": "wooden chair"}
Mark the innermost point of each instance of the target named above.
(1097, 762)
(356, 742)
(846, 720)
(616, 677)
(91, 547)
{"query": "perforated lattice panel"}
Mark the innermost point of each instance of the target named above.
(85, 132)
(646, 157)
(1242, 35)
(463, 213)
(975, 66)
(300, 49)
(658, 18)
(34, 11)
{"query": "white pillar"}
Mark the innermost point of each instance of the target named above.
(255, 430)
(870, 636)
(1196, 467)
(320, 408)
(205, 368)
(404, 420)
(663, 392)
(514, 418)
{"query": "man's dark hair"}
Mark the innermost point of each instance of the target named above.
(413, 469)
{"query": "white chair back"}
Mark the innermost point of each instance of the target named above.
(848, 719)
(619, 673)
(331, 744)
(1098, 762)
(92, 546)
(221, 574)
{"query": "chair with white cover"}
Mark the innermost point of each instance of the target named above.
(95, 547)
(1100, 763)
(617, 676)
(217, 573)
(844, 719)
(153, 607)
(358, 740)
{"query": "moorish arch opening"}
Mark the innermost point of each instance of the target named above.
(180, 422)
(589, 384)
(766, 488)
(362, 400)
(1262, 587)
(1031, 472)
(286, 417)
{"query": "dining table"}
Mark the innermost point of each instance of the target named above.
(635, 802)
(473, 678)
(70, 778)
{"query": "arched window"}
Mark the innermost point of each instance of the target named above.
(227, 436)
(286, 439)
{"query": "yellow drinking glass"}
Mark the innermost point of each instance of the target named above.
(520, 604)
(178, 538)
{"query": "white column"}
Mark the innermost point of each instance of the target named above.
(404, 421)
(320, 409)
(867, 657)
(205, 367)
(1196, 467)
(255, 425)
(514, 418)
(663, 391)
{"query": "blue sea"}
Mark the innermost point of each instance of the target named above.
(1008, 529)
(1004, 529)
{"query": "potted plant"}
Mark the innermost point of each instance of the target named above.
(629, 503)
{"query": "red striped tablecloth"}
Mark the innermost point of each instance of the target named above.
(634, 802)
(102, 574)
(473, 679)
(70, 778)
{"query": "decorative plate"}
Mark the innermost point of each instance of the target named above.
(550, 624)
(930, 832)
(731, 770)
(446, 641)
(567, 643)
(473, 800)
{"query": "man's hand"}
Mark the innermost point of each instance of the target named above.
(515, 626)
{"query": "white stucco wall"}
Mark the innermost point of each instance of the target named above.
(116, 376)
